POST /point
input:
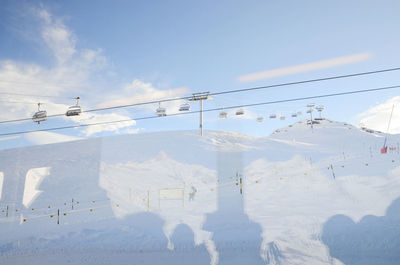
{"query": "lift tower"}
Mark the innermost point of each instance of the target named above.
(200, 97)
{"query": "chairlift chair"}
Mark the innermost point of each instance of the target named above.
(184, 107)
(294, 115)
(299, 113)
(223, 115)
(260, 119)
(160, 111)
(282, 118)
(272, 116)
(311, 105)
(240, 111)
(40, 115)
(74, 110)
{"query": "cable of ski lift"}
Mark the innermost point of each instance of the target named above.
(210, 110)
(219, 93)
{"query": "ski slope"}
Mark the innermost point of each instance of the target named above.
(321, 195)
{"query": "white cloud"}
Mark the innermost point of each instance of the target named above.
(49, 138)
(69, 76)
(139, 91)
(10, 138)
(132, 130)
(301, 68)
(57, 37)
(377, 117)
(91, 118)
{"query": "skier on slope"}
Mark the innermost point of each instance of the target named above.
(192, 193)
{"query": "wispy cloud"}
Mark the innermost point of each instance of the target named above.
(70, 74)
(9, 138)
(302, 68)
(377, 117)
(49, 138)
(108, 117)
(139, 91)
(57, 37)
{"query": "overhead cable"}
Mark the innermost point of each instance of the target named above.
(221, 93)
(208, 110)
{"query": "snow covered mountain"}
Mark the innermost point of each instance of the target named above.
(321, 195)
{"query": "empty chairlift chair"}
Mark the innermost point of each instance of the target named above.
(74, 110)
(260, 118)
(184, 107)
(161, 111)
(223, 115)
(294, 115)
(240, 111)
(272, 116)
(282, 118)
(40, 115)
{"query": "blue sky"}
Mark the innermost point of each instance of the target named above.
(132, 51)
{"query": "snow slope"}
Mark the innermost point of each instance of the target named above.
(309, 196)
